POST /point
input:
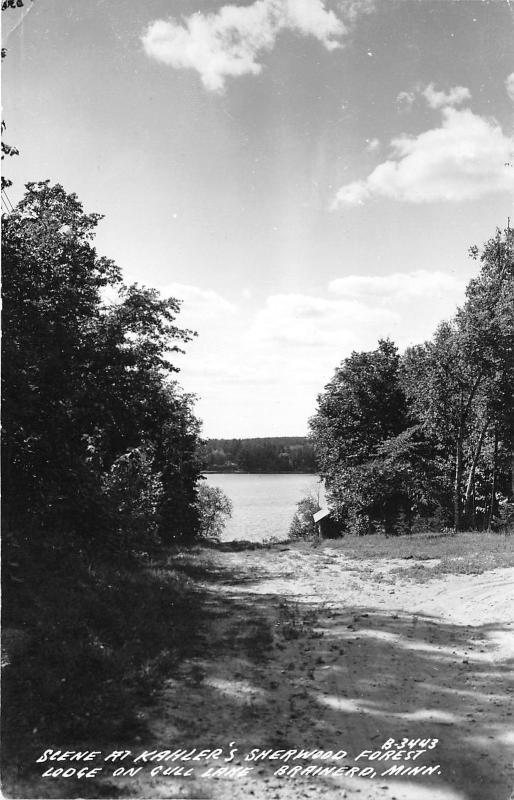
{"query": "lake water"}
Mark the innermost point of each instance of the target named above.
(264, 505)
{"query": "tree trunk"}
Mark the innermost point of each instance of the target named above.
(493, 481)
(471, 477)
(457, 520)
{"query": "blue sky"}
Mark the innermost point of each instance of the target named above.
(307, 176)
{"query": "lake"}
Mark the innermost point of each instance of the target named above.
(264, 505)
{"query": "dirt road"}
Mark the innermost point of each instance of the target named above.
(307, 649)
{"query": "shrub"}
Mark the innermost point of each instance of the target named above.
(303, 525)
(133, 492)
(214, 508)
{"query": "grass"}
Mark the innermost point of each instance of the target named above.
(237, 545)
(95, 643)
(294, 620)
(472, 563)
(451, 554)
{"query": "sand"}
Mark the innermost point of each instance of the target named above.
(355, 657)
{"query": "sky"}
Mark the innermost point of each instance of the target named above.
(306, 175)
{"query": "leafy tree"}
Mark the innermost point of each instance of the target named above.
(7, 150)
(179, 462)
(460, 384)
(133, 490)
(214, 508)
(302, 524)
(433, 430)
(88, 384)
(486, 323)
(52, 279)
(441, 385)
(272, 454)
(362, 407)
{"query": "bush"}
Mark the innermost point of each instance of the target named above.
(214, 508)
(303, 525)
(133, 494)
(504, 519)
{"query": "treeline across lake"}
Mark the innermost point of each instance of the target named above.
(265, 455)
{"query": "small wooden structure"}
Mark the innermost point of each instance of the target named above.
(325, 524)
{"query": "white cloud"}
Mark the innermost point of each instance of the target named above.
(509, 85)
(400, 287)
(230, 41)
(434, 98)
(305, 321)
(356, 8)
(463, 159)
(439, 99)
(198, 305)
(311, 18)
(258, 372)
(405, 100)
(351, 194)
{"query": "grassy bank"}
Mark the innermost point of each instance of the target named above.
(450, 554)
(87, 646)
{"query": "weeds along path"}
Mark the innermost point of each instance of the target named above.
(306, 649)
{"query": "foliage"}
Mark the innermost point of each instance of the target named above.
(100, 468)
(8, 149)
(461, 386)
(275, 454)
(11, 4)
(87, 388)
(214, 508)
(363, 408)
(303, 525)
(133, 492)
(430, 432)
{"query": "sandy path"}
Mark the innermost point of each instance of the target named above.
(352, 660)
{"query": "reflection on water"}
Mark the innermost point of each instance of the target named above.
(263, 504)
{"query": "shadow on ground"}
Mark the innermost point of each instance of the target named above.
(275, 674)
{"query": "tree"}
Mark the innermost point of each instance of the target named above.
(52, 279)
(363, 406)
(434, 430)
(460, 384)
(214, 508)
(302, 524)
(178, 459)
(441, 385)
(133, 490)
(486, 323)
(87, 384)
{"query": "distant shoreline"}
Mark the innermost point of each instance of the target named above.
(255, 472)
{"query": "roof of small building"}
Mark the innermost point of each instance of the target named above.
(321, 514)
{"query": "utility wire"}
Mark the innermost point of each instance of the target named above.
(6, 200)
